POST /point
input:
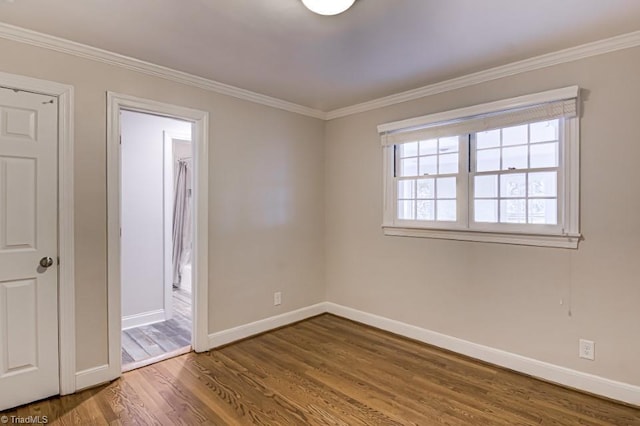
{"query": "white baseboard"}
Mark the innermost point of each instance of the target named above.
(596, 385)
(247, 330)
(553, 373)
(93, 377)
(145, 318)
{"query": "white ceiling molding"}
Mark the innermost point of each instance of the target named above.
(600, 47)
(23, 35)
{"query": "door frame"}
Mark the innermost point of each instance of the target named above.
(66, 268)
(200, 119)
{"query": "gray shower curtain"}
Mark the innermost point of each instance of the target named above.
(181, 219)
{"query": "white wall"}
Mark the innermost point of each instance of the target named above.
(142, 242)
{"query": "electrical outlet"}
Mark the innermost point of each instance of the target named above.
(277, 298)
(587, 349)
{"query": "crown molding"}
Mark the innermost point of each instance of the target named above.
(571, 54)
(23, 35)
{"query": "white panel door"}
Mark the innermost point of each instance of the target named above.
(28, 234)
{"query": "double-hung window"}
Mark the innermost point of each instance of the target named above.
(505, 172)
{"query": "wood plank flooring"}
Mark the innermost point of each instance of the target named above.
(328, 370)
(150, 341)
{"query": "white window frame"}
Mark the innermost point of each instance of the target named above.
(565, 235)
(461, 188)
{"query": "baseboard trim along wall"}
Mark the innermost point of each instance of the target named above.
(145, 318)
(596, 385)
(231, 335)
(550, 372)
(92, 377)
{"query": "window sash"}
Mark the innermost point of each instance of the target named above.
(461, 221)
(519, 227)
(465, 192)
(525, 227)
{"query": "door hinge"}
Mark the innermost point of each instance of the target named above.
(58, 260)
(121, 232)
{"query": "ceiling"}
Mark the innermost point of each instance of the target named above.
(279, 48)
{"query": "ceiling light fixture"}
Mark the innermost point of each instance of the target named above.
(328, 7)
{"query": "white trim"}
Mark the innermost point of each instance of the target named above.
(600, 47)
(565, 234)
(167, 223)
(597, 385)
(200, 120)
(66, 246)
(558, 241)
(571, 164)
(231, 335)
(587, 50)
(23, 35)
(517, 102)
(144, 318)
(92, 377)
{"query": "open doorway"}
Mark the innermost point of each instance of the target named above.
(156, 242)
(199, 125)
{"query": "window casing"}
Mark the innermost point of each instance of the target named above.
(500, 172)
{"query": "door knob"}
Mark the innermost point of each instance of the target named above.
(45, 262)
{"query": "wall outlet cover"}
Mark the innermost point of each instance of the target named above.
(587, 349)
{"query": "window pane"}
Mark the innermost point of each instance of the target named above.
(513, 211)
(446, 187)
(409, 167)
(486, 211)
(544, 131)
(448, 145)
(429, 147)
(425, 188)
(543, 211)
(429, 165)
(515, 157)
(446, 210)
(513, 185)
(544, 155)
(543, 184)
(517, 135)
(406, 188)
(406, 210)
(409, 149)
(488, 139)
(487, 160)
(426, 210)
(448, 163)
(486, 186)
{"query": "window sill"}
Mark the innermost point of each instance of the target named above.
(558, 241)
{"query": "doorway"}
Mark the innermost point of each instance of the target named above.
(156, 170)
(156, 237)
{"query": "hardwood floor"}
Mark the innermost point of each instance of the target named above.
(328, 370)
(152, 341)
